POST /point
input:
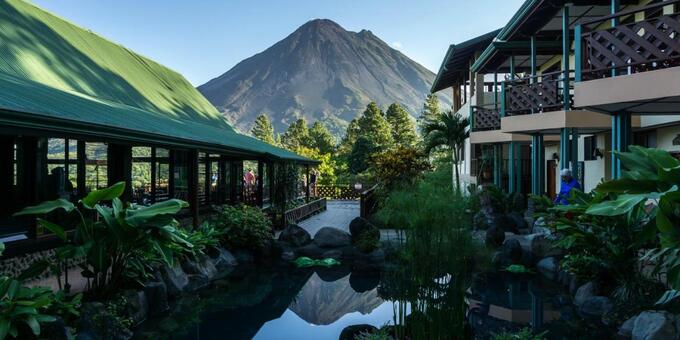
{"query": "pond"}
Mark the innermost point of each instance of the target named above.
(283, 302)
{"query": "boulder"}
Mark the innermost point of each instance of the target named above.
(311, 250)
(329, 237)
(541, 246)
(518, 220)
(332, 274)
(505, 223)
(354, 331)
(654, 325)
(584, 293)
(196, 282)
(548, 267)
(295, 236)
(137, 308)
(511, 252)
(626, 329)
(595, 307)
(175, 278)
(364, 281)
(480, 221)
(333, 254)
(359, 226)
(244, 256)
(200, 266)
(288, 255)
(156, 297)
(224, 260)
(55, 330)
(494, 237)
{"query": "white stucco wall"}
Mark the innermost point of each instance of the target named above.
(665, 136)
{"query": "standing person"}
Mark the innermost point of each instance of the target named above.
(569, 183)
(250, 177)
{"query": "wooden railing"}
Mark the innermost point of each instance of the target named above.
(650, 44)
(338, 192)
(304, 211)
(485, 119)
(535, 94)
(368, 202)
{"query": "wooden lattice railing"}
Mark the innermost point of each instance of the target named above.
(338, 192)
(485, 119)
(534, 94)
(649, 44)
(304, 211)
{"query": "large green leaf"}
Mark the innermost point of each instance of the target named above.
(46, 207)
(4, 327)
(667, 297)
(54, 228)
(34, 270)
(619, 206)
(2, 248)
(628, 185)
(139, 216)
(33, 324)
(96, 196)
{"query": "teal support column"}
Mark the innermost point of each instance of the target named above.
(566, 47)
(511, 168)
(574, 152)
(537, 164)
(518, 168)
(578, 54)
(565, 148)
(503, 89)
(621, 137)
(495, 90)
(512, 67)
(497, 165)
(532, 56)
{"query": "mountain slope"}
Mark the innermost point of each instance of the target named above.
(319, 72)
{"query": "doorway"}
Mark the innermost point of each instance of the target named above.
(551, 177)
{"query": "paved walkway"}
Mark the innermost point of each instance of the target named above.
(337, 215)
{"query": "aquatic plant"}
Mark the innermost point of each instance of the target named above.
(523, 334)
(517, 269)
(303, 262)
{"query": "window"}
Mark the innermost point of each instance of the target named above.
(142, 164)
(14, 184)
(213, 178)
(645, 138)
(180, 175)
(202, 180)
(96, 176)
(162, 177)
(589, 148)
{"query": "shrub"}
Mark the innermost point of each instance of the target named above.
(522, 334)
(243, 226)
(367, 242)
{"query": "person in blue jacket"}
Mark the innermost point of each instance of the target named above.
(568, 184)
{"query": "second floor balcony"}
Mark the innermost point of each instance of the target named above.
(536, 94)
(485, 118)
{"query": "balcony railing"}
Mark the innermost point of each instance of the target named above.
(650, 44)
(536, 94)
(485, 118)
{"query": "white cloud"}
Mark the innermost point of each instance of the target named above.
(397, 45)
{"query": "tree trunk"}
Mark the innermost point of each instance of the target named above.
(455, 174)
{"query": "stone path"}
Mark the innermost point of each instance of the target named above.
(337, 215)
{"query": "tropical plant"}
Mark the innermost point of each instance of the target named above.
(21, 307)
(121, 246)
(243, 227)
(523, 334)
(649, 184)
(448, 130)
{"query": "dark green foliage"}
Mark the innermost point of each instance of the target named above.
(541, 203)
(374, 135)
(321, 139)
(430, 110)
(120, 248)
(368, 241)
(22, 307)
(400, 167)
(296, 136)
(448, 130)
(263, 129)
(403, 130)
(523, 334)
(243, 227)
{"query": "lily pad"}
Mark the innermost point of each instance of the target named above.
(518, 269)
(303, 261)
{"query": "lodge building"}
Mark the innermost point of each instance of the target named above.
(562, 85)
(78, 113)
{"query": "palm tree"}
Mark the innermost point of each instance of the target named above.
(447, 130)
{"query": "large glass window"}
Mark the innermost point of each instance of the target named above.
(96, 155)
(14, 184)
(62, 169)
(202, 180)
(141, 175)
(250, 179)
(162, 174)
(180, 175)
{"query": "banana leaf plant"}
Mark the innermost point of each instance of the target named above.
(119, 246)
(650, 180)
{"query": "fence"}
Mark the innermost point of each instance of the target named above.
(338, 192)
(300, 213)
(368, 202)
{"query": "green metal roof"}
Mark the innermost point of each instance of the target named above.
(456, 60)
(65, 78)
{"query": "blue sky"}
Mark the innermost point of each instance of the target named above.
(204, 38)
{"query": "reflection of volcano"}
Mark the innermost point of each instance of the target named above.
(322, 303)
